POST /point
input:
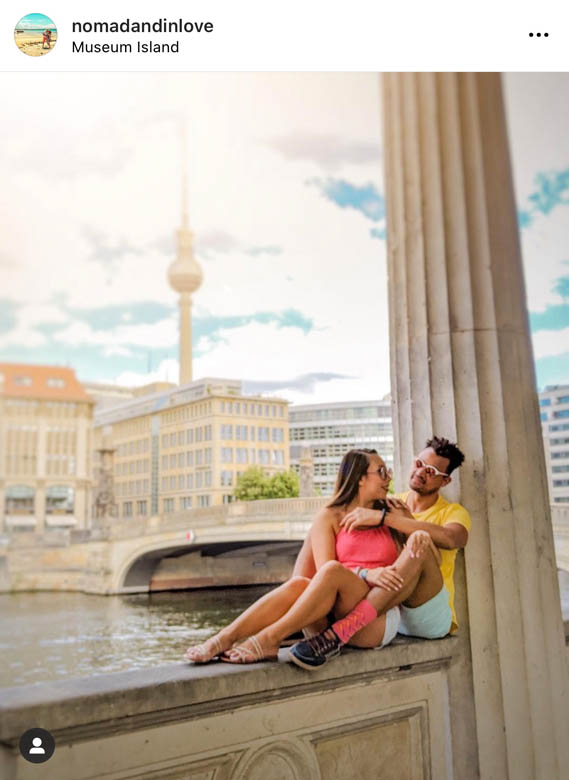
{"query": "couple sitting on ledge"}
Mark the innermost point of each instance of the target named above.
(370, 567)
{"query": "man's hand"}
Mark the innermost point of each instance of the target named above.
(399, 508)
(417, 543)
(360, 517)
(385, 577)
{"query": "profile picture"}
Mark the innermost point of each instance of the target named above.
(35, 34)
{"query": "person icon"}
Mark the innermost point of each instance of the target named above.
(46, 39)
(36, 741)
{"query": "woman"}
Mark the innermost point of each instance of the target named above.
(339, 555)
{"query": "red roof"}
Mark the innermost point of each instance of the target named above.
(21, 380)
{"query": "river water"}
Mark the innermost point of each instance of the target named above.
(53, 636)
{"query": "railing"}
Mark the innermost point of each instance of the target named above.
(274, 510)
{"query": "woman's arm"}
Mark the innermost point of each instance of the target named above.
(323, 535)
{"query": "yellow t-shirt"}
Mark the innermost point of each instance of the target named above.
(442, 513)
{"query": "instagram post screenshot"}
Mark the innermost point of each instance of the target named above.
(284, 391)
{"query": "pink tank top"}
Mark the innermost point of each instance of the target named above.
(368, 548)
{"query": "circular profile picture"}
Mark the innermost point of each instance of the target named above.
(35, 34)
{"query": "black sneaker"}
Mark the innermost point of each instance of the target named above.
(314, 652)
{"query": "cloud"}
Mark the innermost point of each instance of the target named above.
(107, 251)
(326, 150)
(305, 383)
(212, 242)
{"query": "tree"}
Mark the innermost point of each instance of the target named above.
(284, 484)
(254, 484)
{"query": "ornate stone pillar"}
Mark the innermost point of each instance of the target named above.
(461, 366)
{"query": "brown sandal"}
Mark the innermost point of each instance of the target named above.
(199, 650)
(248, 652)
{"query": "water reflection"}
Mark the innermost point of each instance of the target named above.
(53, 636)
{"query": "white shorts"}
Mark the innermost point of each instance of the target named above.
(391, 626)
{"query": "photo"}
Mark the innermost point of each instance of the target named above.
(35, 35)
(284, 422)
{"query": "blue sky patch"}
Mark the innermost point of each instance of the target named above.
(365, 199)
(7, 314)
(552, 190)
(109, 317)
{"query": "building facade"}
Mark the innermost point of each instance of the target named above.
(554, 409)
(330, 430)
(46, 420)
(186, 447)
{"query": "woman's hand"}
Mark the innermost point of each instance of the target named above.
(360, 517)
(399, 508)
(385, 577)
(417, 543)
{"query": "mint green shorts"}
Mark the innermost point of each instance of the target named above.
(431, 620)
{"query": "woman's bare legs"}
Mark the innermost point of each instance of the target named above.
(264, 611)
(333, 584)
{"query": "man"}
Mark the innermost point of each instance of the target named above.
(425, 594)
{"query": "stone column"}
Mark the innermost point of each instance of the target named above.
(461, 366)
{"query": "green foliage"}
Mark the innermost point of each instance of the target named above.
(254, 485)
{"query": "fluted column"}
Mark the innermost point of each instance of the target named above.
(461, 366)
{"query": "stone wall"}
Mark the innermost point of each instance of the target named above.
(381, 714)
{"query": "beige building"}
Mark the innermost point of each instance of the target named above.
(46, 443)
(185, 447)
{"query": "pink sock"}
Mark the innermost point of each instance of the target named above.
(362, 614)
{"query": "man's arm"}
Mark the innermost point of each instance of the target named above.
(452, 536)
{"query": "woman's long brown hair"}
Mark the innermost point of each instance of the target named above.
(352, 468)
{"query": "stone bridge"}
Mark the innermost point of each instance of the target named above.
(236, 544)
(241, 543)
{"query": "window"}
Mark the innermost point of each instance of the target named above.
(263, 457)
(207, 433)
(54, 381)
(266, 410)
(186, 502)
(252, 432)
(189, 436)
(259, 410)
(59, 500)
(543, 416)
(564, 427)
(168, 505)
(23, 381)
(227, 499)
(545, 401)
(262, 434)
(127, 509)
(204, 500)
(141, 508)
(207, 455)
(223, 407)
(242, 456)
(164, 440)
(181, 482)
(207, 478)
(199, 433)
(199, 480)
(227, 454)
(226, 478)
(564, 399)
(172, 440)
(173, 461)
(251, 408)
(278, 435)
(281, 411)
(278, 458)
(237, 408)
(241, 432)
(181, 460)
(199, 457)
(226, 431)
(164, 483)
(274, 410)
(181, 438)
(561, 413)
(172, 483)
(190, 481)
(189, 458)
(19, 500)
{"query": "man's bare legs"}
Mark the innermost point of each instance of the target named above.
(264, 611)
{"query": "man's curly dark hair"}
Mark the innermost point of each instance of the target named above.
(447, 449)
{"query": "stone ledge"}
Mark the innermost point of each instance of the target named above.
(91, 707)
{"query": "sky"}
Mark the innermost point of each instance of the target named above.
(35, 22)
(286, 201)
